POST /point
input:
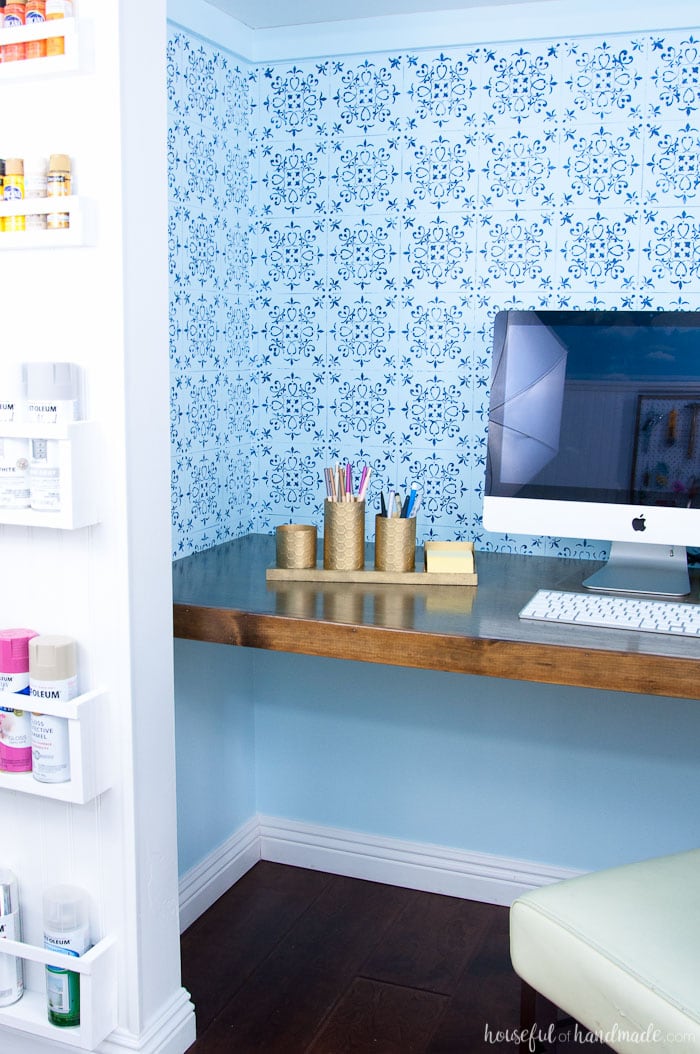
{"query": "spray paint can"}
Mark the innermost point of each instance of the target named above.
(11, 967)
(14, 473)
(52, 678)
(52, 396)
(53, 392)
(66, 930)
(15, 723)
(11, 392)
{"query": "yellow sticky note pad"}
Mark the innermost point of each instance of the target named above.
(449, 557)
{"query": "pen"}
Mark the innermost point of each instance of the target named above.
(364, 482)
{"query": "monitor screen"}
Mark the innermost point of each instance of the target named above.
(594, 426)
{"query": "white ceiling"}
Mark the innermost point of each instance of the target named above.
(269, 14)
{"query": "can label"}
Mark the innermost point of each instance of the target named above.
(50, 748)
(11, 972)
(15, 740)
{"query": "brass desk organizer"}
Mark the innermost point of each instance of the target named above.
(295, 545)
(418, 577)
(343, 535)
(395, 543)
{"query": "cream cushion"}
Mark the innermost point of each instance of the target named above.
(619, 950)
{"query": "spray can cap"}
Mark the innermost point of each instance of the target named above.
(9, 897)
(14, 649)
(51, 380)
(65, 908)
(52, 657)
(11, 381)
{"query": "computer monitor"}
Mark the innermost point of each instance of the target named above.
(594, 432)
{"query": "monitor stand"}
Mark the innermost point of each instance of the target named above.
(634, 567)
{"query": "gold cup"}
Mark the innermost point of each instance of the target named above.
(296, 545)
(343, 535)
(395, 543)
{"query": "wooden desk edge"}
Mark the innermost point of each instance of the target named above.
(481, 656)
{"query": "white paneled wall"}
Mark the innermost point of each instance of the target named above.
(104, 306)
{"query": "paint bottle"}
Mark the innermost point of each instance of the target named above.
(35, 186)
(15, 11)
(58, 185)
(57, 9)
(2, 159)
(52, 678)
(66, 930)
(35, 15)
(15, 722)
(13, 190)
(11, 967)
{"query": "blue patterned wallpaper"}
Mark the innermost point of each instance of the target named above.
(343, 231)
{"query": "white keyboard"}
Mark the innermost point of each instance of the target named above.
(614, 612)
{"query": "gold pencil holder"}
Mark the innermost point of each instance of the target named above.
(395, 543)
(296, 545)
(343, 535)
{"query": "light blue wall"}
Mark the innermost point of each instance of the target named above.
(215, 746)
(563, 776)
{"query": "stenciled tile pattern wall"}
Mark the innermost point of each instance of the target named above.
(344, 229)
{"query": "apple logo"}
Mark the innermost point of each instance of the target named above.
(638, 524)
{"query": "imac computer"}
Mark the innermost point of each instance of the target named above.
(594, 433)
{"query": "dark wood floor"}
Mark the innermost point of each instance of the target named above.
(291, 961)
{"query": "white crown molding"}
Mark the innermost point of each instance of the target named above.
(540, 19)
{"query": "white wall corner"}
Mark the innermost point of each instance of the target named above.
(208, 880)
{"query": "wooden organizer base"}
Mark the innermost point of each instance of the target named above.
(366, 577)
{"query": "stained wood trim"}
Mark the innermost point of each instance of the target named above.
(516, 660)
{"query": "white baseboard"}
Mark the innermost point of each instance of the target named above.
(172, 1032)
(205, 883)
(414, 865)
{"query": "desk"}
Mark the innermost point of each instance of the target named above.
(221, 595)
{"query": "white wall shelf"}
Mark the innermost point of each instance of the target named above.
(48, 64)
(80, 230)
(98, 996)
(77, 441)
(88, 744)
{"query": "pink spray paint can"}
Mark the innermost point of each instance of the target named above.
(15, 722)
